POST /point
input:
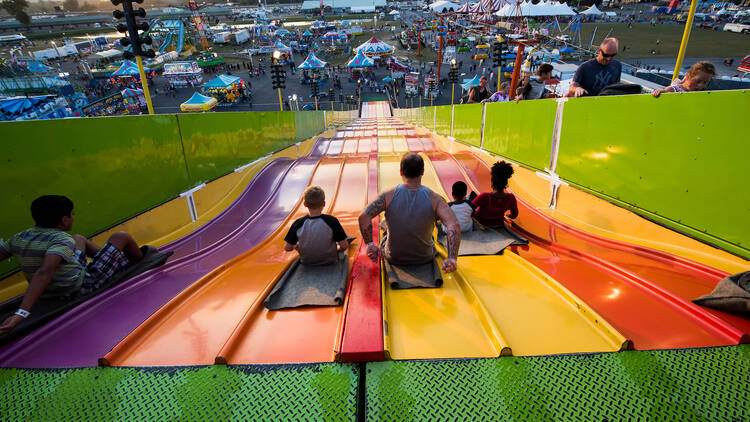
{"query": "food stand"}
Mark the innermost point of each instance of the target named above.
(183, 74)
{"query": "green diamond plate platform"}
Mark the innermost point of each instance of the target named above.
(211, 393)
(710, 384)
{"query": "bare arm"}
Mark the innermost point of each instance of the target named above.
(365, 223)
(452, 231)
(365, 219)
(576, 90)
(38, 283)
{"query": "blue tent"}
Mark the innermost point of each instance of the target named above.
(312, 62)
(128, 68)
(387, 79)
(222, 81)
(39, 67)
(566, 50)
(307, 33)
(198, 102)
(468, 83)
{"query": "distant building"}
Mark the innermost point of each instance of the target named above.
(344, 6)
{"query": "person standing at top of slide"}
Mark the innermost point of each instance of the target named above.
(593, 75)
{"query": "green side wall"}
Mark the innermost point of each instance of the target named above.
(443, 120)
(114, 168)
(309, 123)
(521, 131)
(217, 143)
(679, 159)
(467, 123)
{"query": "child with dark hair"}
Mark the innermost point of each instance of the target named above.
(491, 207)
(462, 207)
(54, 262)
(316, 236)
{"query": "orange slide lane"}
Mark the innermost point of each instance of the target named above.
(306, 334)
(193, 327)
(634, 277)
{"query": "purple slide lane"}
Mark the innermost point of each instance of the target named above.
(83, 334)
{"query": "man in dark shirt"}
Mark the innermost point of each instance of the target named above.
(593, 75)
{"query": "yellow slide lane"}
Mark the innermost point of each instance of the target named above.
(430, 323)
(512, 304)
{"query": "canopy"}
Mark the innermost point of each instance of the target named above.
(130, 92)
(307, 33)
(333, 35)
(394, 12)
(387, 79)
(468, 83)
(281, 47)
(222, 81)
(540, 9)
(592, 11)
(360, 60)
(443, 6)
(199, 102)
(312, 62)
(281, 32)
(566, 50)
(375, 47)
(464, 8)
(39, 67)
(128, 68)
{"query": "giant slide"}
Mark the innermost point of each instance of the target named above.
(570, 290)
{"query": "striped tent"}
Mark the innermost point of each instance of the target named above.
(312, 62)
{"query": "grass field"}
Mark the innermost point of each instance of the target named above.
(642, 39)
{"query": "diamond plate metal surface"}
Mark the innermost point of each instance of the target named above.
(260, 392)
(709, 384)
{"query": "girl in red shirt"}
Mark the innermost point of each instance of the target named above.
(491, 207)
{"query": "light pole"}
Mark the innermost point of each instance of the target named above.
(276, 76)
(453, 75)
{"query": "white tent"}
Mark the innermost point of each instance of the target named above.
(592, 11)
(443, 6)
(540, 9)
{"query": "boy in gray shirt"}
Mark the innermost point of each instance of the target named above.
(316, 236)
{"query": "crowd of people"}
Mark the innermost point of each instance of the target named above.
(598, 76)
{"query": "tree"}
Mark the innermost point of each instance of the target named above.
(17, 9)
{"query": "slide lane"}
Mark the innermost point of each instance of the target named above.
(308, 334)
(628, 277)
(455, 321)
(85, 333)
(362, 333)
(533, 311)
(194, 325)
(236, 216)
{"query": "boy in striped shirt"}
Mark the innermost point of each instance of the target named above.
(54, 262)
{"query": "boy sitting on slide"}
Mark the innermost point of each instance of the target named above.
(54, 261)
(316, 235)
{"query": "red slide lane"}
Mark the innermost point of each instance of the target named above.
(651, 320)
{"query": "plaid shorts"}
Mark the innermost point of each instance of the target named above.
(106, 262)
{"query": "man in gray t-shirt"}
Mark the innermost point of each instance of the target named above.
(411, 210)
(592, 76)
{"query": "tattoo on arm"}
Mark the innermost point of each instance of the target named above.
(365, 220)
(377, 206)
(366, 229)
(454, 239)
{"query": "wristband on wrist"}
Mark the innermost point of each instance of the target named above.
(23, 313)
